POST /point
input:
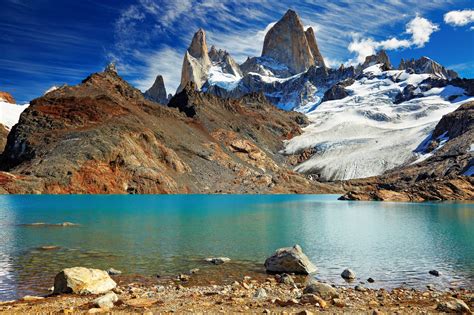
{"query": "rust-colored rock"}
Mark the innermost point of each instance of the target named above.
(103, 136)
(7, 97)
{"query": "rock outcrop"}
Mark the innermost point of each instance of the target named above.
(286, 42)
(157, 93)
(196, 61)
(289, 260)
(3, 137)
(7, 97)
(103, 136)
(380, 57)
(429, 66)
(313, 46)
(447, 173)
(80, 280)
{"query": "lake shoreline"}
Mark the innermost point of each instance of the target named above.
(190, 292)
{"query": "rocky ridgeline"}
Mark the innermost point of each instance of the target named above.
(104, 136)
(291, 71)
(81, 289)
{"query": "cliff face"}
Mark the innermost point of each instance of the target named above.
(196, 62)
(446, 174)
(103, 136)
(286, 42)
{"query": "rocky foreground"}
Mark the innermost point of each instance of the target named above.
(83, 290)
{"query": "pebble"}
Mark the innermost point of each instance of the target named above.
(370, 280)
(106, 301)
(286, 279)
(194, 271)
(360, 288)
(339, 302)
(313, 299)
(260, 294)
(114, 272)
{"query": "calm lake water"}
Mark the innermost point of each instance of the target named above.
(394, 243)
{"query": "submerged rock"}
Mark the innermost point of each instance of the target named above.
(434, 273)
(290, 260)
(218, 260)
(82, 280)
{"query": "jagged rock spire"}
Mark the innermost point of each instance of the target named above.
(157, 92)
(196, 61)
(198, 48)
(286, 43)
(313, 46)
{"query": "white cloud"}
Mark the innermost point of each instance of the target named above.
(419, 28)
(459, 18)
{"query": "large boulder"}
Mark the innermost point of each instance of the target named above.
(289, 260)
(82, 280)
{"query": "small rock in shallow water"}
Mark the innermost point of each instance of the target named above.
(434, 273)
(360, 288)
(114, 272)
(370, 280)
(348, 274)
(454, 305)
(194, 271)
(106, 301)
(290, 260)
(218, 260)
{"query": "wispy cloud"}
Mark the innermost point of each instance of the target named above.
(459, 18)
(419, 28)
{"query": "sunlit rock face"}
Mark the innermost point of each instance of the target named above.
(286, 42)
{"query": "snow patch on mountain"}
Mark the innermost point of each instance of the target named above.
(367, 133)
(223, 80)
(10, 113)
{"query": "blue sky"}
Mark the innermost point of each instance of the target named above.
(52, 42)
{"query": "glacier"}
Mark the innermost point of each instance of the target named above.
(367, 132)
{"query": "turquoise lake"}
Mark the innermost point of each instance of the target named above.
(394, 243)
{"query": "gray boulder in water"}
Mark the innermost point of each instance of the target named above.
(289, 260)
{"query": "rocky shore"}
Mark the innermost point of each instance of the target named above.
(286, 288)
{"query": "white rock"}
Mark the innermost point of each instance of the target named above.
(82, 280)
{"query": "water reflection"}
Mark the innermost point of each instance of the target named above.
(394, 243)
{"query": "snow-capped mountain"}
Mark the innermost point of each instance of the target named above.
(365, 119)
